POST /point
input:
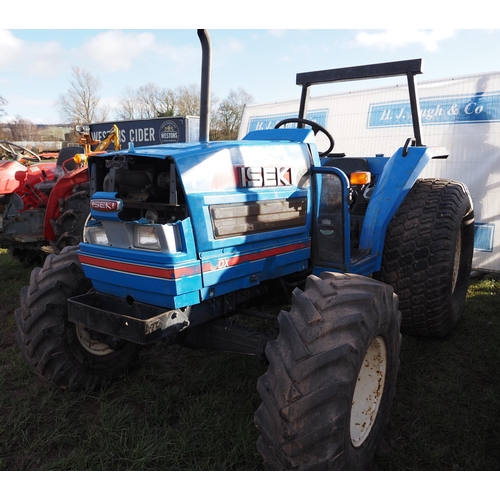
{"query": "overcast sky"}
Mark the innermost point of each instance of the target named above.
(35, 64)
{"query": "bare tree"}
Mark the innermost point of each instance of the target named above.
(227, 119)
(188, 100)
(147, 97)
(5, 134)
(23, 130)
(148, 101)
(81, 103)
(168, 103)
(154, 101)
(128, 109)
(3, 102)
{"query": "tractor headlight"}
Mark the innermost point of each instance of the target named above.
(146, 237)
(96, 235)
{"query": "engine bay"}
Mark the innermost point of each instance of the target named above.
(148, 187)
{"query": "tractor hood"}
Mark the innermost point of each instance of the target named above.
(180, 150)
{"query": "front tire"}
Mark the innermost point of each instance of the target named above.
(327, 394)
(427, 256)
(58, 350)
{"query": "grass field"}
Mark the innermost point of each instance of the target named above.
(193, 410)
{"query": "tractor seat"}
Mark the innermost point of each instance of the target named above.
(66, 154)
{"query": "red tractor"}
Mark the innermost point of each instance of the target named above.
(44, 205)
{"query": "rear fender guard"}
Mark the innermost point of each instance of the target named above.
(398, 176)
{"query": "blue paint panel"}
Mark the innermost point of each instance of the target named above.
(162, 292)
(156, 291)
(248, 281)
(251, 260)
(202, 223)
(483, 237)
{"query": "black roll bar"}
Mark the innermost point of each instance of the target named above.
(410, 68)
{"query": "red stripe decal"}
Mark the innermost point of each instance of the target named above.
(223, 262)
(127, 267)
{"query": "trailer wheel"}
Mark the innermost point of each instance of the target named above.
(427, 256)
(328, 391)
(56, 349)
(75, 209)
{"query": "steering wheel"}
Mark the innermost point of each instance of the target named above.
(316, 128)
(13, 150)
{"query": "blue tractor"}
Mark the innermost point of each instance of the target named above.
(182, 236)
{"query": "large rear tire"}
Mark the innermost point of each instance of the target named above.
(58, 350)
(75, 210)
(427, 256)
(327, 394)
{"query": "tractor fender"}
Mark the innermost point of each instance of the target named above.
(63, 188)
(396, 180)
(12, 175)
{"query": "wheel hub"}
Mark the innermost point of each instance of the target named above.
(91, 345)
(368, 391)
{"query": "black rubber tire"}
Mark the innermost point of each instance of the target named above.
(428, 254)
(74, 212)
(309, 389)
(49, 342)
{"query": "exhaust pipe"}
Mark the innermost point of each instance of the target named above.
(205, 85)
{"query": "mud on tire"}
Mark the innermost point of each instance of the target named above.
(427, 256)
(327, 394)
(55, 348)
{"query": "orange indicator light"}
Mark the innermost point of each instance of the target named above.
(360, 178)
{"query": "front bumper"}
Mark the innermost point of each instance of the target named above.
(132, 321)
